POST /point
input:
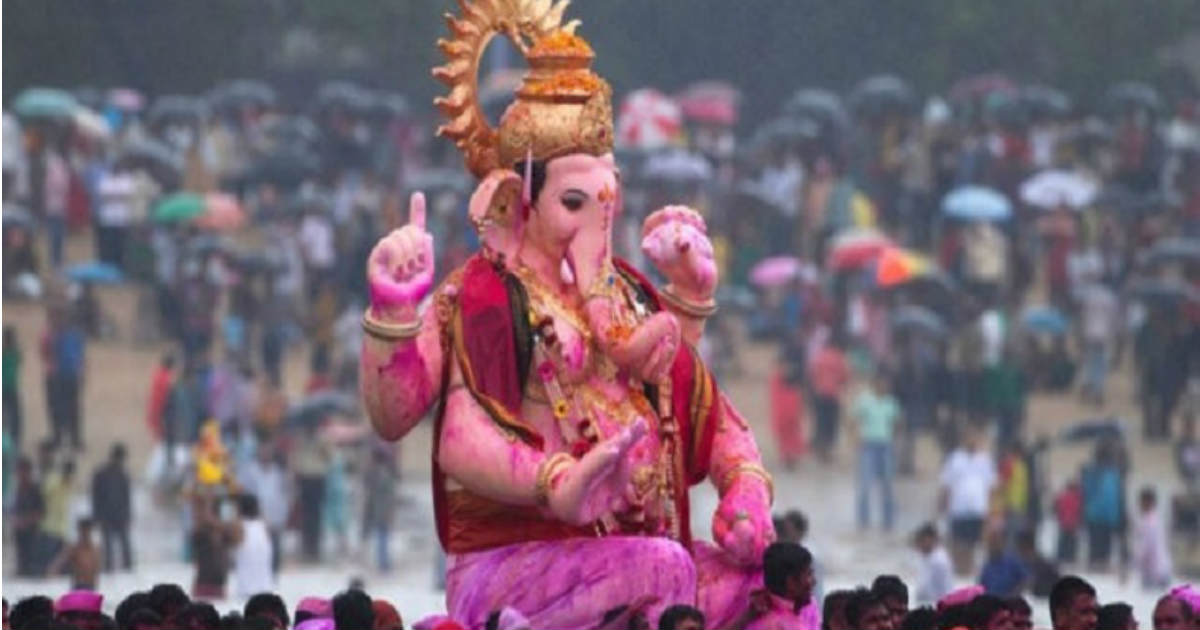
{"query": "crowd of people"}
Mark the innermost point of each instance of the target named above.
(922, 270)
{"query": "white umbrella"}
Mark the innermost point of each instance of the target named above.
(91, 124)
(677, 166)
(1055, 188)
(648, 120)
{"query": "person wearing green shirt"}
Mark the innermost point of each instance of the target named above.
(12, 386)
(876, 412)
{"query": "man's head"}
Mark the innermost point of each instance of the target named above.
(198, 616)
(143, 619)
(352, 609)
(167, 600)
(1118, 616)
(681, 617)
(83, 530)
(132, 603)
(787, 571)
(29, 610)
(269, 606)
(799, 524)
(1073, 604)
(248, 509)
(865, 611)
(892, 591)
(1147, 499)
(833, 611)
(925, 539)
(1021, 613)
(989, 612)
(117, 454)
(1172, 613)
(922, 618)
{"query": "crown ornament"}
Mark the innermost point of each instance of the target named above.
(561, 107)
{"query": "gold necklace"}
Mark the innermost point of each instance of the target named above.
(548, 301)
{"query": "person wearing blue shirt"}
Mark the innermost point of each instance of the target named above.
(1003, 574)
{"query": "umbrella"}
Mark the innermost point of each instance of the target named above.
(677, 166)
(173, 108)
(286, 168)
(204, 244)
(855, 248)
(48, 103)
(1163, 292)
(898, 266)
(1174, 249)
(315, 408)
(390, 105)
(345, 95)
(780, 270)
(981, 87)
(241, 92)
(1133, 95)
(1093, 429)
(184, 206)
(789, 130)
(94, 272)
(294, 133)
(222, 212)
(15, 215)
(1122, 200)
(126, 99)
(155, 158)
(91, 124)
(648, 120)
(918, 319)
(976, 203)
(1045, 319)
(711, 102)
(880, 94)
(1051, 189)
(1044, 101)
(820, 105)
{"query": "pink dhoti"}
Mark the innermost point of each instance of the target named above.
(571, 583)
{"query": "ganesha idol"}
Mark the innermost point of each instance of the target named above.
(573, 412)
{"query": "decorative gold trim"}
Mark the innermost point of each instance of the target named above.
(387, 331)
(701, 310)
(753, 470)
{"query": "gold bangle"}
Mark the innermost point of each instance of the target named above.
(547, 471)
(389, 332)
(753, 470)
(700, 310)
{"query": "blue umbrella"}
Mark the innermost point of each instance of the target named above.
(976, 203)
(95, 272)
(1045, 319)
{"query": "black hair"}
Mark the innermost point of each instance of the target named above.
(107, 623)
(1018, 605)
(782, 560)
(198, 614)
(493, 621)
(1114, 616)
(168, 599)
(835, 602)
(926, 530)
(1065, 590)
(957, 616)
(924, 618)
(798, 521)
(29, 610)
(537, 176)
(1148, 495)
(672, 616)
(268, 604)
(118, 452)
(983, 608)
(140, 617)
(258, 622)
(232, 621)
(859, 603)
(132, 603)
(352, 609)
(248, 508)
(890, 586)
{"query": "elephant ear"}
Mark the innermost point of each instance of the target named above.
(495, 211)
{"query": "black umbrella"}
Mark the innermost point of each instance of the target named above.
(344, 95)
(154, 157)
(880, 94)
(1133, 95)
(241, 93)
(820, 105)
(293, 133)
(918, 319)
(1162, 292)
(317, 407)
(789, 130)
(286, 168)
(1174, 249)
(177, 108)
(1042, 101)
(1093, 429)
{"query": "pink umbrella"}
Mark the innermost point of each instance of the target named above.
(648, 119)
(779, 270)
(126, 99)
(856, 248)
(222, 213)
(713, 102)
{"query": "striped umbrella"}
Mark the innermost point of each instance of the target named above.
(648, 120)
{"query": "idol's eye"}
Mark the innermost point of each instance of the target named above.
(573, 199)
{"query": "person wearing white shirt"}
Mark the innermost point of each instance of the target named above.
(934, 575)
(114, 215)
(967, 480)
(266, 480)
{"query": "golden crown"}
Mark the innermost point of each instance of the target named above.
(561, 107)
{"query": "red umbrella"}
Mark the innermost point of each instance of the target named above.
(856, 248)
(713, 102)
(222, 213)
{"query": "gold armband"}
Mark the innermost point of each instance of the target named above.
(698, 310)
(547, 471)
(753, 470)
(389, 332)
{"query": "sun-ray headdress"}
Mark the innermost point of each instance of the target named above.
(562, 107)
